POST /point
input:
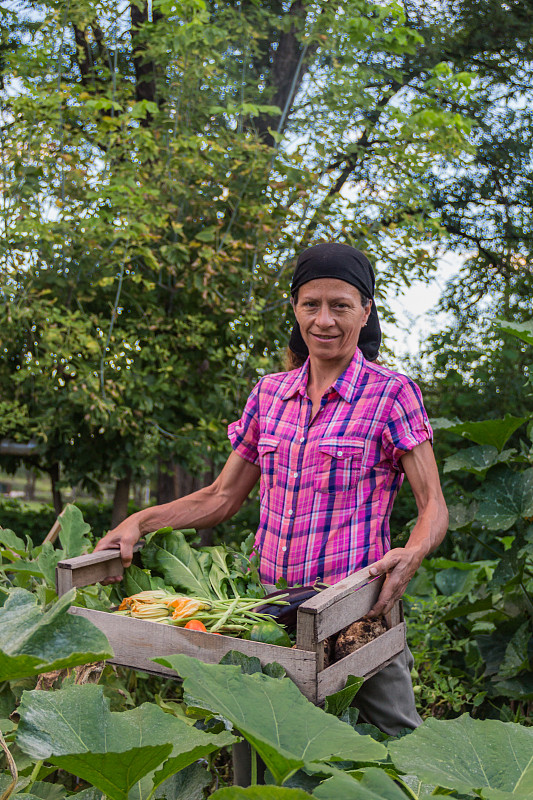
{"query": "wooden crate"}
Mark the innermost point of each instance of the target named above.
(135, 642)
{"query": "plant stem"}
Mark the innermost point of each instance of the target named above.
(486, 546)
(12, 768)
(253, 770)
(34, 773)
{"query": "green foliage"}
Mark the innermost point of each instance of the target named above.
(286, 729)
(33, 567)
(114, 751)
(161, 171)
(468, 755)
(217, 572)
(36, 640)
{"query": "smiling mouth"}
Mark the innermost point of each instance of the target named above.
(322, 338)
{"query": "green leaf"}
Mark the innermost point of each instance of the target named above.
(273, 715)
(259, 793)
(468, 608)
(74, 729)
(374, 785)
(247, 664)
(493, 432)
(461, 515)
(522, 330)
(48, 791)
(337, 703)
(34, 641)
(136, 580)
(12, 541)
(73, 533)
(175, 559)
(504, 498)
(469, 755)
(520, 688)
(516, 656)
(189, 784)
(477, 459)
(47, 561)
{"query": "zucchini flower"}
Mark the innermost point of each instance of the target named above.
(148, 596)
(186, 607)
(153, 611)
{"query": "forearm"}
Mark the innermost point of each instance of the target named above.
(429, 530)
(202, 509)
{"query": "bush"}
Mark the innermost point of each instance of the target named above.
(28, 518)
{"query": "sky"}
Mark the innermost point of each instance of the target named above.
(413, 309)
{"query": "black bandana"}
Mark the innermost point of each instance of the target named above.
(332, 260)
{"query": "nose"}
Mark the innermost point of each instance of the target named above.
(324, 318)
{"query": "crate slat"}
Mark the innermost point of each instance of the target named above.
(136, 641)
(88, 569)
(335, 608)
(364, 662)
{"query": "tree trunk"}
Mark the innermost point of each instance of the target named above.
(56, 492)
(166, 485)
(185, 484)
(120, 500)
(30, 484)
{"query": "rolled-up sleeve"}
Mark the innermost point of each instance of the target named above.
(407, 425)
(244, 433)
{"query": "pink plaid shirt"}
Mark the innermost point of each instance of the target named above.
(328, 483)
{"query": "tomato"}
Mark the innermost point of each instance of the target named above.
(195, 625)
(268, 633)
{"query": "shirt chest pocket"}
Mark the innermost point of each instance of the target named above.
(268, 449)
(338, 465)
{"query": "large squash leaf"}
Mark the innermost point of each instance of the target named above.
(260, 793)
(34, 641)
(73, 532)
(468, 755)
(74, 729)
(493, 432)
(477, 459)
(504, 498)
(273, 715)
(374, 785)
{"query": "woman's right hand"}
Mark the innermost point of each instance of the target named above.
(122, 538)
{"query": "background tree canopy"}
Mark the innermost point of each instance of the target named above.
(163, 163)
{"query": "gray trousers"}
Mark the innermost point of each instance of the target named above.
(387, 700)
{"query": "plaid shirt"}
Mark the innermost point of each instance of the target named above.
(328, 483)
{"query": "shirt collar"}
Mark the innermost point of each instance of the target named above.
(345, 385)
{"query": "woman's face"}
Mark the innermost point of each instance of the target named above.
(330, 316)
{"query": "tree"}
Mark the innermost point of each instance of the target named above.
(160, 170)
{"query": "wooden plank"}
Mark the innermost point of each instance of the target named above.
(89, 568)
(52, 534)
(343, 612)
(323, 600)
(395, 615)
(135, 642)
(364, 662)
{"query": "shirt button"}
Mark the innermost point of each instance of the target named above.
(339, 452)
(302, 438)
(284, 549)
(295, 475)
(290, 512)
